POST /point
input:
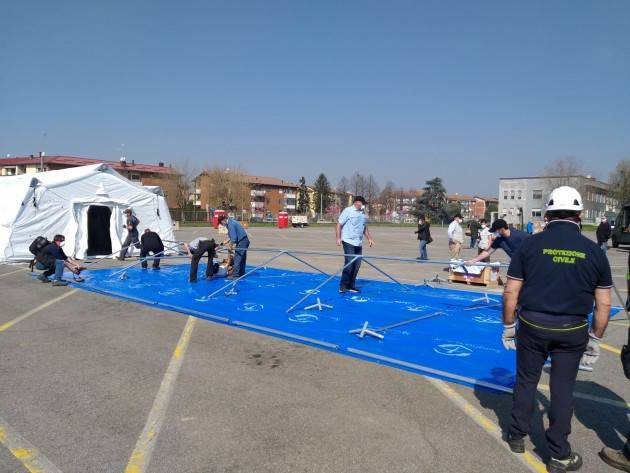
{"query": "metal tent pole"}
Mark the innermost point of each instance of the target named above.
(383, 272)
(330, 278)
(233, 283)
(306, 263)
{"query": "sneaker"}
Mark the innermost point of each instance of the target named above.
(354, 290)
(516, 443)
(43, 278)
(120, 258)
(572, 463)
(156, 268)
(342, 290)
(59, 282)
(145, 267)
(615, 458)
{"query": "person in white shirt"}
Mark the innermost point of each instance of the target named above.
(350, 230)
(484, 240)
(455, 237)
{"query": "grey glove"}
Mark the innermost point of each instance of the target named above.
(509, 336)
(592, 350)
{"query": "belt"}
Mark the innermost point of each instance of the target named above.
(569, 328)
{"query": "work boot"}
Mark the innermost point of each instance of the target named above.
(59, 282)
(572, 463)
(615, 458)
(516, 443)
(43, 278)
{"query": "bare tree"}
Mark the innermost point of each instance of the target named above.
(343, 185)
(562, 172)
(184, 187)
(619, 181)
(388, 198)
(371, 193)
(357, 184)
(225, 188)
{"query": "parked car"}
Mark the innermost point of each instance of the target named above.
(621, 230)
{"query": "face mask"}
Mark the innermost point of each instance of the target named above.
(62, 244)
(496, 234)
(483, 225)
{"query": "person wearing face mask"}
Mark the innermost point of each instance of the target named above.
(484, 240)
(504, 237)
(455, 237)
(52, 258)
(350, 230)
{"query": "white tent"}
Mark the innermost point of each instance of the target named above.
(85, 204)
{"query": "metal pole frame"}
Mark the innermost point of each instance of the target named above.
(330, 278)
(141, 260)
(366, 259)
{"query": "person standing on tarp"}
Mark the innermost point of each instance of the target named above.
(151, 243)
(132, 234)
(349, 231)
(553, 279)
(238, 241)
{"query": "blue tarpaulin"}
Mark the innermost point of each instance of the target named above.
(459, 340)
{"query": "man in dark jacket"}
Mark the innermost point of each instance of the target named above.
(53, 258)
(473, 229)
(132, 234)
(603, 234)
(424, 237)
(151, 243)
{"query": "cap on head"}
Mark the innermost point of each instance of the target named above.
(127, 210)
(564, 198)
(499, 224)
(359, 198)
(458, 215)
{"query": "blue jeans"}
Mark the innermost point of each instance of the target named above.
(604, 247)
(349, 275)
(473, 241)
(423, 249)
(57, 269)
(240, 257)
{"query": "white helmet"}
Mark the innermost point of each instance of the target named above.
(565, 198)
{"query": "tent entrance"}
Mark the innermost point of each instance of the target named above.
(99, 240)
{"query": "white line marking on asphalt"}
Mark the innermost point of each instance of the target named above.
(141, 455)
(13, 272)
(45, 305)
(21, 449)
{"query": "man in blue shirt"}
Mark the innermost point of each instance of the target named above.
(553, 280)
(237, 238)
(504, 237)
(350, 230)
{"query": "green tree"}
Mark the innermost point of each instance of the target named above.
(304, 201)
(432, 202)
(489, 210)
(323, 197)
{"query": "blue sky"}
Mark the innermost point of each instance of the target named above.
(404, 90)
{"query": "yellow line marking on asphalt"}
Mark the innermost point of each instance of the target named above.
(21, 449)
(141, 455)
(610, 348)
(528, 459)
(592, 397)
(11, 323)
(13, 272)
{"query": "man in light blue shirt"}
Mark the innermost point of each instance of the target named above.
(350, 230)
(237, 237)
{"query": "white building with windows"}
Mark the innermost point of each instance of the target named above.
(522, 199)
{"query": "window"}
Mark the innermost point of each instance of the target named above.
(520, 195)
(505, 194)
(134, 177)
(512, 195)
(536, 213)
(512, 211)
(537, 194)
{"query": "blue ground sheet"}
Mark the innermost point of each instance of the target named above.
(459, 340)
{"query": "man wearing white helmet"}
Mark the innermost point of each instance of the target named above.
(553, 280)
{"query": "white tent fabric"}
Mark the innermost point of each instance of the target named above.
(58, 202)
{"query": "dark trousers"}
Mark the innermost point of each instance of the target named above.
(533, 346)
(132, 239)
(349, 275)
(240, 257)
(144, 252)
(205, 246)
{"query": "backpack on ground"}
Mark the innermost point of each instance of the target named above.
(36, 247)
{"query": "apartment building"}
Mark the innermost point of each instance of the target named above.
(522, 199)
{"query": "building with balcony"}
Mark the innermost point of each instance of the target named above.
(473, 207)
(143, 174)
(522, 199)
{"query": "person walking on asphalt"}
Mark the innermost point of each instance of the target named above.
(553, 279)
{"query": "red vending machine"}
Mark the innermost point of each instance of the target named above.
(283, 220)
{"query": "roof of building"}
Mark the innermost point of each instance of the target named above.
(269, 181)
(551, 177)
(72, 161)
(459, 197)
